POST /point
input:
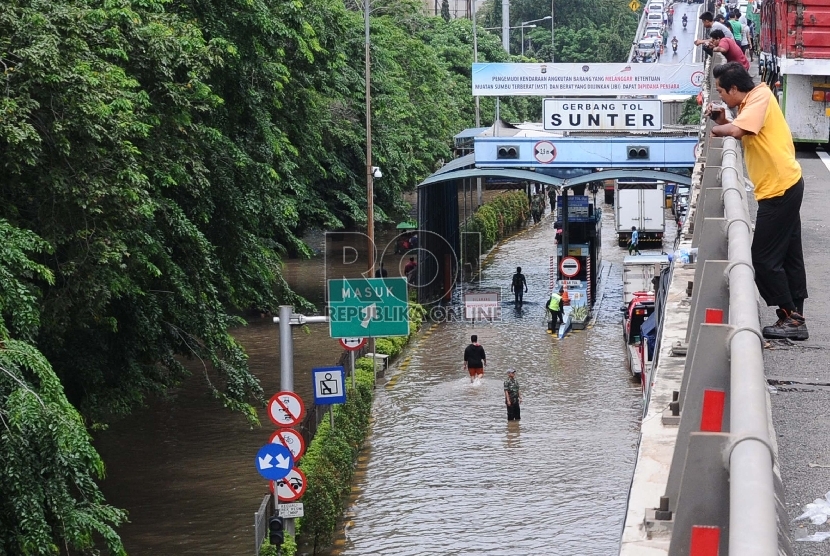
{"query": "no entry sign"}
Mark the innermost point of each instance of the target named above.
(352, 344)
(286, 409)
(570, 267)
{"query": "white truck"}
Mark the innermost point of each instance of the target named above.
(640, 204)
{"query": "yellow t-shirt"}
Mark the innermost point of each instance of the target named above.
(768, 145)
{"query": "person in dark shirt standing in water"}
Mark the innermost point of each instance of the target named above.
(518, 286)
(512, 397)
(474, 359)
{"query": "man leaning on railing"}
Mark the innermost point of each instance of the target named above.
(779, 188)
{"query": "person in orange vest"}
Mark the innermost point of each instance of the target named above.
(566, 299)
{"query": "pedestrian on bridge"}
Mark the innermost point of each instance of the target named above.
(777, 255)
(474, 359)
(710, 24)
(512, 396)
(731, 50)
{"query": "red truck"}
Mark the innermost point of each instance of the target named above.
(795, 63)
(639, 309)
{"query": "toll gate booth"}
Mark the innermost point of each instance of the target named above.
(579, 251)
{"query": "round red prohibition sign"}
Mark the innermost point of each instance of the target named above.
(353, 344)
(544, 152)
(286, 409)
(292, 440)
(570, 267)
(291, 488)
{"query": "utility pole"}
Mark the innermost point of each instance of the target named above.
(370, 193)
(552, 43)
(478, 106)
(505, 25)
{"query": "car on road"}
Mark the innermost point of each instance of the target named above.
(652, 33)
(655, 18)
(654, 7)
(647, 50)
(635, 314)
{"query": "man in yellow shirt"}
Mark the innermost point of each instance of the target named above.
(779, 188)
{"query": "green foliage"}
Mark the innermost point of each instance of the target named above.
(579, 312)
(159, 159)
(288, 548)
(51, 503)
(494, 219)
(584, 30)
(330, 468)
(329, 461)
(692, 112)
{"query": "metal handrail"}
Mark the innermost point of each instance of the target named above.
(752, 514)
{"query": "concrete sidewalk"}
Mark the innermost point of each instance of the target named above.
(800, 372)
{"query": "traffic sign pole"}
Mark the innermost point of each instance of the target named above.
(286, 371)
(286, 320)
(351, 360)
(286, 349)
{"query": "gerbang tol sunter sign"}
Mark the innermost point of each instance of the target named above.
(586, 79)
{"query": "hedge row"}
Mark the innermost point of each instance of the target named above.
(494, 219)
(328, 463)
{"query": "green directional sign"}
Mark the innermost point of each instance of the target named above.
(368, 307)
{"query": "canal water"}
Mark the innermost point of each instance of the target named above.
(443, 472)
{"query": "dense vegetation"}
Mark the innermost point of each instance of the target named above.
(584, 30)
(158, 160)
(493, 221)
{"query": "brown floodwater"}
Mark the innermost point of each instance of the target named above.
(442, 472)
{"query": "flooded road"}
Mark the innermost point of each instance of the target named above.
(445, 473)
(442, 473)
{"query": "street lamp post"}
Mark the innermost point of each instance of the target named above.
(370, 193)
(523, 36)
(552, 44)
(514, 27)
(525, 24)
(475, 60)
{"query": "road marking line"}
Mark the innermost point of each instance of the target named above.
(825, 158)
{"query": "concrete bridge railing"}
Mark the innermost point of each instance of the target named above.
(723, 494)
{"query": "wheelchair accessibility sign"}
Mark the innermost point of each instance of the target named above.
(329, 385)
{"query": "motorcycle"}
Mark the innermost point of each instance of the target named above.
(674, 46)
(684, 23)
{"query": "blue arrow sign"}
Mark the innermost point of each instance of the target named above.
(274, 461)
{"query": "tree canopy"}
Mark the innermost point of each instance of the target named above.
(584, 30)
(159, 160)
